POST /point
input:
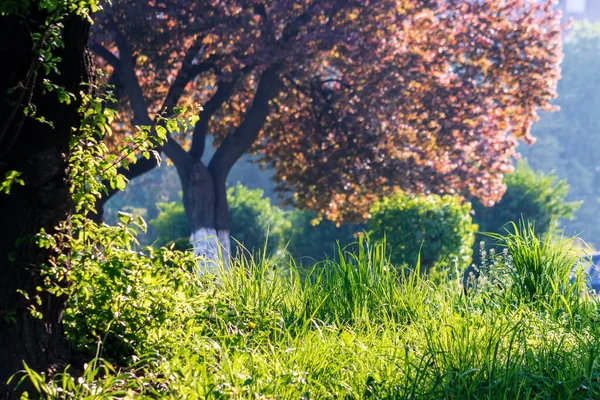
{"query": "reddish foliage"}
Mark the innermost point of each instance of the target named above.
(372, 95)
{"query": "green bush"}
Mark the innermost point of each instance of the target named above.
(253, 220)
(531, 196)
(118, 293)
(310, 241)
(171, 224)
(438, 229)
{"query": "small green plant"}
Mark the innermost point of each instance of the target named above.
(538, 269)
(437, 230)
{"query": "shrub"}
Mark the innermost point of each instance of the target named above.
(253, 220)
(438, 228)
(310, 241)
(532, 196)
(171, 224)
(116, 293)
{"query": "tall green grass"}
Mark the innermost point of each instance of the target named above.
(354, 327)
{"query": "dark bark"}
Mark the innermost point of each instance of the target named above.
(39, 152)
(205, 204)
(213, 105)
(204, 197)
(204, 188)
(198, 194)
(243, 137)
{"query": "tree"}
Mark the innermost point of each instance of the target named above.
(43, 65)
(346, 100)
(256, 223)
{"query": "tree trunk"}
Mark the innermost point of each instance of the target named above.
(205, 203)
(39, 152)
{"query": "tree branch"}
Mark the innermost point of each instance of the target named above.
(210, 108)
(130, 81)
(106, 54)
(172, 149)
(186, 73)
(136, 97)
(240, 140)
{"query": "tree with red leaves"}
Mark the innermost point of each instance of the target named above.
(346, 100)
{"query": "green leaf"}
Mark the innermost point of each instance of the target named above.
(11, 178)
(172, 126)
(161, 132)
(120, 182)
(124, 217)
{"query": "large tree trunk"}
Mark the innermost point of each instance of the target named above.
(39, 152)
(205, 203)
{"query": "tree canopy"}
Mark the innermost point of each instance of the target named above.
(423, 96)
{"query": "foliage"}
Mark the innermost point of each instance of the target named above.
(110, 284)
(436, 231)
(532, 196)
(428, 96)
(255, 222)
(569, 139)
(170, 224)
(312, 240)
(355, 329)
(45, 21)
(535, 268)
(10, 178)
(120, 292)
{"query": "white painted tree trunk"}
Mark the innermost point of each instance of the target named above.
(213, 249)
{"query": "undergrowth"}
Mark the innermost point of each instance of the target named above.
(353, 327)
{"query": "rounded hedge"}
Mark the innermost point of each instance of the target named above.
(439, 229)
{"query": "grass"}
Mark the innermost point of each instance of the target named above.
(356, 328)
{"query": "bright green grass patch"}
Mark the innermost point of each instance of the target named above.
(351, 328)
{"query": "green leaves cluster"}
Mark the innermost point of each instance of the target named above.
(255, 222)
(119, 289)
(53, 8)
(436, 231)
(115, 288)
(45, 21)
(11, 178)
